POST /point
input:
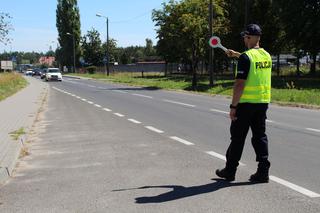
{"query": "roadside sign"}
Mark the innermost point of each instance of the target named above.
(215, 42)
(6, 65)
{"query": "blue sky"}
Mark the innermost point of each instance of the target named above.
(34, 22)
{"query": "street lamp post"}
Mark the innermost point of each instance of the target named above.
(74, 52)
(211, 52)
(107, 50)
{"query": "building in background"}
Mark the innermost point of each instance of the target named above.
(47, 60)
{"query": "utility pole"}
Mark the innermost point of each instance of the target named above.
(246, 13)
(211, 51)
(74, 52)
(107, 49)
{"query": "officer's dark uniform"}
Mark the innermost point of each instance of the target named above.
(248, 115)
(254, 66)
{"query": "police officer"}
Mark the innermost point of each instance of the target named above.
(251, 96)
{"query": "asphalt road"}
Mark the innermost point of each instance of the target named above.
(112, 148)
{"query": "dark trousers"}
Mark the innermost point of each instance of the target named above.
(253, 116)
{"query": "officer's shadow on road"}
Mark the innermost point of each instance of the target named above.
(179, 192)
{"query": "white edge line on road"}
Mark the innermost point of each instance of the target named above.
(134, 121)
(314, 130)
(154, 129)
(179, 103)
(83, 99)
(90, 102)
(118, 114)
(119, 91)
(140, 95)
(78, 97)
(220, 111)
(106, 109)
(97, 105)
(295, 187)
(221, 157)
(181, 140)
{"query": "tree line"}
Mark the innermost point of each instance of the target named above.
(94, 50)
(288, 26)
(89, 49)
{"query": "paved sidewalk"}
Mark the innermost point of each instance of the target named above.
(18, 111)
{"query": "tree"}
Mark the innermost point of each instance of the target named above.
(149, 50)
(91, 47)
(5, 27)
(183, 31)
(68, 26)
(113, 54)
(50, 53)
(302, 24)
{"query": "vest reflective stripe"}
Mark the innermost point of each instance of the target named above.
(264, 97)
(254, 88)
(258, 84)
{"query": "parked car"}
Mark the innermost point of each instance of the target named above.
(37, 72)
(43, 73)
(53, 74)
(29, 72)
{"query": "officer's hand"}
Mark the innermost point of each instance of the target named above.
(232, 114)
(231, 53)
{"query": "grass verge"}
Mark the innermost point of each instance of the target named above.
(10, 83)
(296, 91)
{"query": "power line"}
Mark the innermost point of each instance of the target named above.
(136, 17)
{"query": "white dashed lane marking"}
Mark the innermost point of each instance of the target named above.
(106, 109)
(220, 111)
(97, 105)
(154, 129)
(89, 102)
(134, 121)
(181, 140)
(314, 130)
(179, 103)
(118, 114)
(140, 95)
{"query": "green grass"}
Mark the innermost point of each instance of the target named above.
(10, 83)
(303, 91)
(16, 134)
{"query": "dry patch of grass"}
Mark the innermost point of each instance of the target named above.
(10, 83)
(16, 134)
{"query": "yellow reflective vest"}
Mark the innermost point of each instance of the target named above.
(258, 84)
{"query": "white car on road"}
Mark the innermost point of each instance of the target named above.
(53, 74)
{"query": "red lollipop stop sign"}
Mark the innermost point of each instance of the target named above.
(215, 42)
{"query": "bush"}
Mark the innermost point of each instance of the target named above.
(91, 69)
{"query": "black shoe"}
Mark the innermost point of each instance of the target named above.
(259, 177)
(226, 174)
